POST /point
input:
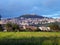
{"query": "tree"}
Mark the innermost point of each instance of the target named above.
(54, 27)
(15, 27)
(1, 28)
(8, 26)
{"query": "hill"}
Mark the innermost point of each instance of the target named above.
(31, 16)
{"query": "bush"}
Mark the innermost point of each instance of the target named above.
(12, 27)
(54, 27)
(15, 27)
(1, 28)
(8, 27)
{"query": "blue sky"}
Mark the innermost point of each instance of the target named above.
(13, 8)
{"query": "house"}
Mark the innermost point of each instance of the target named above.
(44, 28)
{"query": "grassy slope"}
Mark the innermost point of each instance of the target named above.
(29, 38)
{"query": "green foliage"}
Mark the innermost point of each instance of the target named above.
(15, 27)
(8, 26)
(29, 38)
(54, 27)
(1, 28)
(12, 27)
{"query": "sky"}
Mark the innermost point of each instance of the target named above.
(15, 8)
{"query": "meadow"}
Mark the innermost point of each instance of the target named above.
(29, 38)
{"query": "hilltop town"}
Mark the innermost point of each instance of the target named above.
(31, 21)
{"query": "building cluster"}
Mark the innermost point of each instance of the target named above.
(30, 22)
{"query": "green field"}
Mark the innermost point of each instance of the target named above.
(29, 38)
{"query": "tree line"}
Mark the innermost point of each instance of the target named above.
(10, 27)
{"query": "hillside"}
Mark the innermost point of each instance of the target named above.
(31, 16)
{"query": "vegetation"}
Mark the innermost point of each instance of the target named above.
(15, 27)
(29, 38)
(54, 27)
(12, 27)
(1, 28)
(31, 16)
(8, 26)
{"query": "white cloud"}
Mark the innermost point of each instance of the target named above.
(54, 15)
(35, 8)
(49, 2)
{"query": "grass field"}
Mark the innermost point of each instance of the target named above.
(29, 38)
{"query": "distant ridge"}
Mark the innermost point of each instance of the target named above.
(31, 16)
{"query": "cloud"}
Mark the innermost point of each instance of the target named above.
(48, 2)
(41, 7)
(54, 15)
(52, 4)
(35, 8)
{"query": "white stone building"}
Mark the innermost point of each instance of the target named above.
(44, 28)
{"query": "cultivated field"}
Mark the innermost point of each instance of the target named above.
(29, 38)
